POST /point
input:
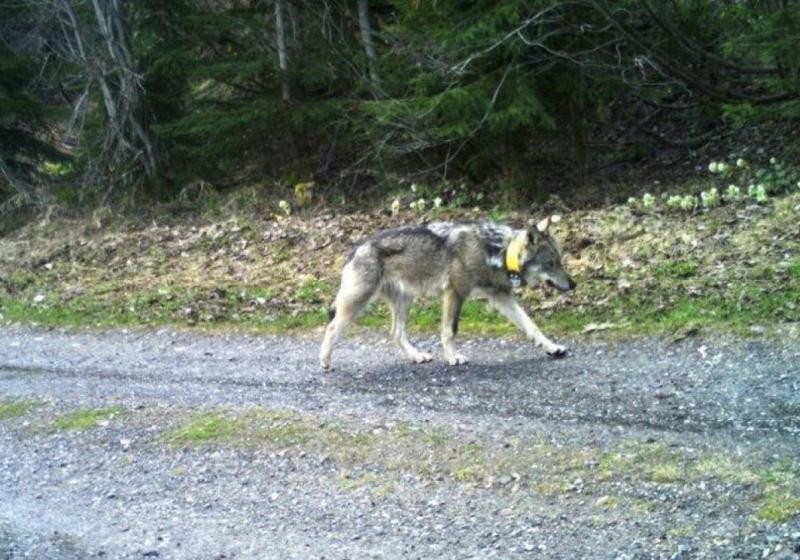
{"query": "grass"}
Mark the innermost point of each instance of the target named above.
(676, 269)
(258, 427)
(85, 418)
(203, 428)
(14, 408)
(778, 507)
(780, 493)
(377, 458)
(633, 313)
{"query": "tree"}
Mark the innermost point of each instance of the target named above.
(27, 108)
(369, 46)
(99, 47)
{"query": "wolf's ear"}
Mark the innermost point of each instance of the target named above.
(545, 224)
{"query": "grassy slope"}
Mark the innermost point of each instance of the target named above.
(729, 268)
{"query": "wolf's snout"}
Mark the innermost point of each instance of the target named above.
(571, 284)
(562, 286)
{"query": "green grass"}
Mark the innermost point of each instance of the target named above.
(780, 493)
(376, 458)
(205, 427)
(85, 418)
(676, 269)
(14, 408)
(779, 507)
(648, 311)
(259, 427)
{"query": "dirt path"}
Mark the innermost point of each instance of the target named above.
(232, 446)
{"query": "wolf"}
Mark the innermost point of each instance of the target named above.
(456, 260)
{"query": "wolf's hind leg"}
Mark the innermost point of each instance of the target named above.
(451, 309)
(400, 305)
(354, 295)
(514, 312)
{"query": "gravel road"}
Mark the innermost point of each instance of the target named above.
(631, 450)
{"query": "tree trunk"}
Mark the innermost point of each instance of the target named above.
(283, 58)
(369, 46)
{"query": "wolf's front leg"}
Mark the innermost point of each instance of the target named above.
(400, 306)
(513, 311)
(451, 309)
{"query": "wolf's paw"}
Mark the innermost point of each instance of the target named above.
(325, 363)
(557, 351)
(420, 357)
(457, 359)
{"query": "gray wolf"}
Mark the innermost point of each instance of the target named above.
(456, 261)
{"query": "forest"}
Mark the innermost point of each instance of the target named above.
(110, 101)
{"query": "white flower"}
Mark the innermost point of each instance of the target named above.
(741, 162)
(710, 198)
(674, 201)
(395, 207)
(733, 193)
(421, 205)
(713, 167)
(414, 188)
(632, 201)
(649, 201)
(757, 193)
(722, 167)
(437, 202)
(413, 205)
(284, 206)
(772, 161)
(689, 202)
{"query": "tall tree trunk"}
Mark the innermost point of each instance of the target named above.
(369, 46)
(283, 57)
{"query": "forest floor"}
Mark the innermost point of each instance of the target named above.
(237, 265)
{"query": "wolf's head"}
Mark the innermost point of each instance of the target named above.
(540, 261)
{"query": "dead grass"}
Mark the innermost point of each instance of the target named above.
(731, 267)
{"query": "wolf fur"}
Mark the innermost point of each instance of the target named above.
(456, 261)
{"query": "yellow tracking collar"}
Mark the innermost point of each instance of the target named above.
(514, 251)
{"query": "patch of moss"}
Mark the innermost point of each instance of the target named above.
(204, 427)
(779, 506)
(85, 418)
(725, 468)
(666, 473)
(14, 408)
(257, 427)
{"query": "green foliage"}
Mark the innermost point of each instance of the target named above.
(505, 94)
(24, 144)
